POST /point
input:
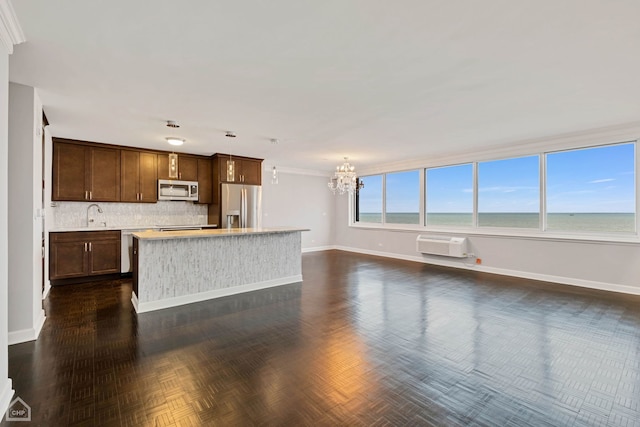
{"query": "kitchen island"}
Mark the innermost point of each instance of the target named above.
(181, 267)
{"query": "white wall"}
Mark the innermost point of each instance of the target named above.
(6, 392)
(299, 200)
(26, 315)
(48, 209)
(590, 263)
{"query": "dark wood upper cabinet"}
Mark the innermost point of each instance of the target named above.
(246, 170)
(139, 171)
(187, 167)
(88, 171)
(129, 176)
(69, 171)
(82, 173)
(205, 181)
(104, 176)
(148, 177)
(163, 166)
(251, 171)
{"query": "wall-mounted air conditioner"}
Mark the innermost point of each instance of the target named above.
(442, 245)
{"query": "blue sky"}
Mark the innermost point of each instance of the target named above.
(450, 189)
(599, 179)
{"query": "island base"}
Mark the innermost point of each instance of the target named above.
(203, 296)
(169, 272)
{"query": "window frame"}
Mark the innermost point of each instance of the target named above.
(421, 213)
(355, 213)
(530, 233)
(544, 221)
(474, 198)
(476, 193)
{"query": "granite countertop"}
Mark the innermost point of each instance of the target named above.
(129, 227)
(185, 234)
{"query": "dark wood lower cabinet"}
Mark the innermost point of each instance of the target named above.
(83, 254)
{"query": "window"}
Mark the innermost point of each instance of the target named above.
(402, 198)
(592, 189)
(585, 190)
(449, 195)
(369, 200)
(509, 193)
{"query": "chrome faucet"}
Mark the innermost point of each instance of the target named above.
(88, 208)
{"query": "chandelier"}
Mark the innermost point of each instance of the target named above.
(344, 180)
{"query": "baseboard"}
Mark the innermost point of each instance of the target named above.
(590, 284)
(142, 307)
(47, 288)
(318, 249)
(6, 393)
(134, 301)
(40, 324)
(26, 335)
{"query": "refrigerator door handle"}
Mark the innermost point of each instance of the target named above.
(243, 208)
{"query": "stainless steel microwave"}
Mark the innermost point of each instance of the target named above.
(177, 190)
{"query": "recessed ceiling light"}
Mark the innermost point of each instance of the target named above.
(174, 141)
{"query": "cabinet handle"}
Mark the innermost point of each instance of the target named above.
(89, 246)
(140, 196)
(86, 195)
(90, 195)
(85, 246)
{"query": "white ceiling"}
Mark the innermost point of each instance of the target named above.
(374, 80)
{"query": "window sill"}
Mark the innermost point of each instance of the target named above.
(630, 239)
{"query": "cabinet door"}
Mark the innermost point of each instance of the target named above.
(105, 174)
(69, 172)
(205, 177)
(148, 177)
(163, 166)
(221, 162)
(67, 259)
(104, 256)
(129, 176)
(187, 168)
(251, 172)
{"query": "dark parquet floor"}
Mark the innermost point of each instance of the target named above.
(363, 341)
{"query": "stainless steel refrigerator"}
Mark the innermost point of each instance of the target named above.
(241, 206)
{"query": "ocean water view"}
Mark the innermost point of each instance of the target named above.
(592, 222)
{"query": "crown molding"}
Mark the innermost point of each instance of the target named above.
(267, 167)
(10, 30)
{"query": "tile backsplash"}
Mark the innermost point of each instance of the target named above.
(74, 214)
